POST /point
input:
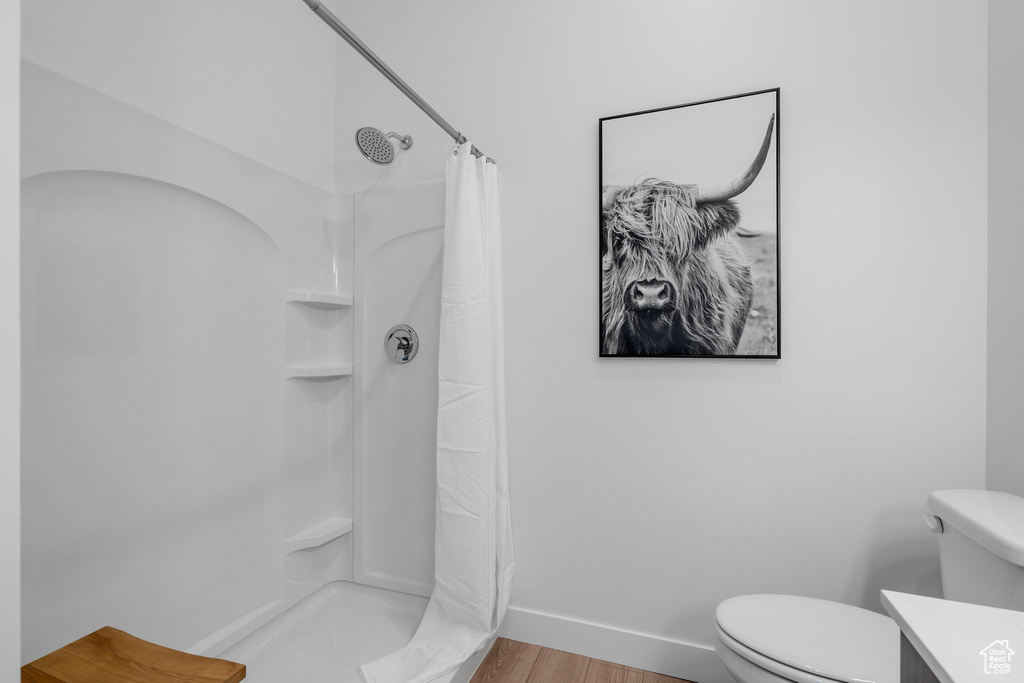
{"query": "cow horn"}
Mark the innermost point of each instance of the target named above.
(720, 194)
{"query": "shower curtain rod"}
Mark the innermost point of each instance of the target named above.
(380, 66)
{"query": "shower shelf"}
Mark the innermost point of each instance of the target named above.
(318, 299)
(319, 534)
(317, 370)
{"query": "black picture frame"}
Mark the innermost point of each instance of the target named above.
(674, 237)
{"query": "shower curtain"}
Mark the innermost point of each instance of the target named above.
(473, 564)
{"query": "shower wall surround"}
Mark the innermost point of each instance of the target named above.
(187, 466)
(399, 241)
(191, 318)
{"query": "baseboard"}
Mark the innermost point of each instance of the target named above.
(643, 651)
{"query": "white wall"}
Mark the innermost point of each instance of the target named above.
(10, 346)
(256, 77)
(1005, 471)
(645, 491)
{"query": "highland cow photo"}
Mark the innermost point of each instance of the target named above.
(690, 230)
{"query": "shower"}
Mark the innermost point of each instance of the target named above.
(376, 145)
(230, 489)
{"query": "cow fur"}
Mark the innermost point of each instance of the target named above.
(655, 231)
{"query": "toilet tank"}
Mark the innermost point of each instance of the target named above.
(981, 546)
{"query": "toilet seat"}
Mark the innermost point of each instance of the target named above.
(791, 635)
(748, 665)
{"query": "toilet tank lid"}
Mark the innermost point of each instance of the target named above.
(992, 519)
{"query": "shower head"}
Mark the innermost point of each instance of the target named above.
(376, 146)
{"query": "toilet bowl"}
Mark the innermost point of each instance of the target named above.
(794, 639)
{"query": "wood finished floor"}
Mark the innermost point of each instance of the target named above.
(510, 661)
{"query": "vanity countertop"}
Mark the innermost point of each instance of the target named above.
(961, 642)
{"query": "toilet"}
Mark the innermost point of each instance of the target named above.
(794, 639)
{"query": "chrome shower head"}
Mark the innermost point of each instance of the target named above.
(376, 146)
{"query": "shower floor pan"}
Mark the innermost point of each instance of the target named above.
(326, 637)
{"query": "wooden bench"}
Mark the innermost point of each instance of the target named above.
(112, 656)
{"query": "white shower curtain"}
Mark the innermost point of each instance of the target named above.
(473, 564)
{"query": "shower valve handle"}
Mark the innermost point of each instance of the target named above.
(401, 344)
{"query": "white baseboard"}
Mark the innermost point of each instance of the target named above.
(643, 651)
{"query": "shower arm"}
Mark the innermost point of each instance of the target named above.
(404, 140)
(360, 47)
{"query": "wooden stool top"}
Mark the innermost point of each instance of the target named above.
(112, 656)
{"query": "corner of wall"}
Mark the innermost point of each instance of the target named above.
(1004, 468)
(10, 343)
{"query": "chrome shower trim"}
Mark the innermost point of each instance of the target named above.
(404, 140)
(376, 146)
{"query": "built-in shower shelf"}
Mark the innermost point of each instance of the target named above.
(317, 370)
(318, 299)
(319, 534)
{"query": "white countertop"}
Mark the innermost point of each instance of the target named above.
(950, 637)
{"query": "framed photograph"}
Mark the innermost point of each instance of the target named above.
(690, 230)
